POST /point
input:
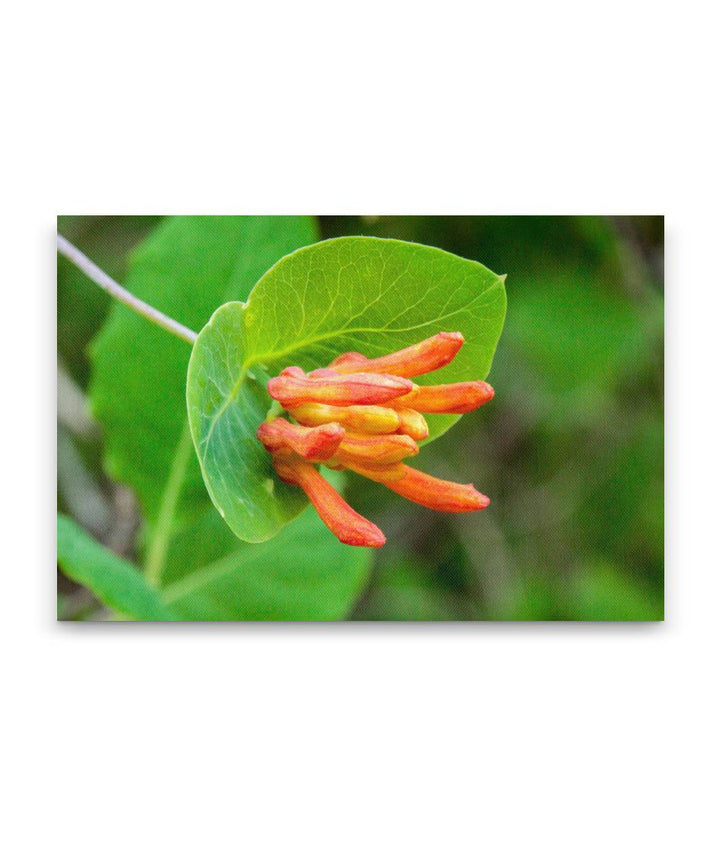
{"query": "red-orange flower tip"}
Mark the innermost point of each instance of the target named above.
(346, 361)
(292, 371)
(447, 397)
(282, 437)
(344, 522)
(423, 357)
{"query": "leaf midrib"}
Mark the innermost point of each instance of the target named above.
(157, 550)
(259, 359)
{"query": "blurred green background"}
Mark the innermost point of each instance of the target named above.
(570, 451)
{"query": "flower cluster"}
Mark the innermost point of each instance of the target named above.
(366, 415)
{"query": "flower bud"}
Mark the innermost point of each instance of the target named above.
(412, 423)
(423, 357)
(345, 523)
(361, 388)
(448, 397)
(378, 449)
(363, 418)
(438, 494)
(282, 437)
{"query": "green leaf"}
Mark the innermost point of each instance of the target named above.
(116, 582)
(604, 592)
(577, 333)
(186, 268)
(348, 294)
(406, 588)
(304, 574)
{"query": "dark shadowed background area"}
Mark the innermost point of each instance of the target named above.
(570, 451)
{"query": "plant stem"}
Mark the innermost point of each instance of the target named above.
(160, 541)
(99, 277)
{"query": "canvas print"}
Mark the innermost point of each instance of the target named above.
(392, 418)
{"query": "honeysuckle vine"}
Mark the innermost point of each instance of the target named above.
(108, 284)
(321, 365)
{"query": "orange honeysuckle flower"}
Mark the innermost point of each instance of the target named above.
(412, 423)
(438, 494)
(375, 449)
(447, 397)
(363, 418)
(365, 415)
(343, 521)
(320, 443)
(292, 390)
(423, 357)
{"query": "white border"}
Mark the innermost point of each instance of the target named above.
(349, 739)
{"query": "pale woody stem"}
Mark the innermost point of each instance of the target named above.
(99, 277)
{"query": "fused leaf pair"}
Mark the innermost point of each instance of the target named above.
(365, 415)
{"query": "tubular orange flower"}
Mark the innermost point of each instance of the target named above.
(343, 521)
(365, 415)
(447, 397)
(412, 423)
(364, 418)
(376, 449)
(438, 494)
(281, 436)
(291, 390)
(423, 357)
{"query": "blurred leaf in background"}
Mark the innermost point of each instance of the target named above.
(82, 310)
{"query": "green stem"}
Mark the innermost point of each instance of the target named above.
(162, 532)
